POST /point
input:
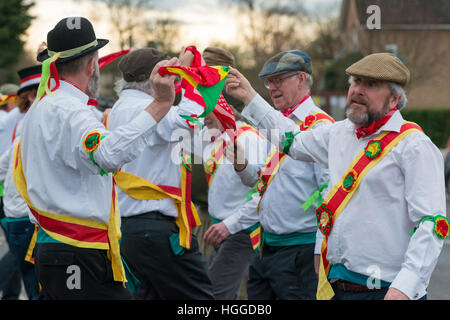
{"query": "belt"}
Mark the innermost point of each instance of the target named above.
(351, 287)
(152, 215)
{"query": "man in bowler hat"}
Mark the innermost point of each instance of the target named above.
(64, 165)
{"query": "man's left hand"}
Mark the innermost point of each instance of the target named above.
(395, 294)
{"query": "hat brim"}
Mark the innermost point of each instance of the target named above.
(43, 55)
(33, 86)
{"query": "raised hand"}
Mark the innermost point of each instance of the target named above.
(235, 153)
(163, 90)
(239, 87)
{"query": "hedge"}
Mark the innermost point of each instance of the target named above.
(434, 122)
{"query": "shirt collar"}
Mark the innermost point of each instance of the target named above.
(135, 93)
(303, 110)
(70, 89)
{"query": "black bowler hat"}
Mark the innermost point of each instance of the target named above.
(75, 34)
(30, 78)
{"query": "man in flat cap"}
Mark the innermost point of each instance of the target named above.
(284, 269)
(150, 225)
(64, 165)
(386, 207)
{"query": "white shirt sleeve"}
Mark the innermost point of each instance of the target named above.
(4, 162)
(245, 217)
(173, 127)
(422, 166)
(119, 146)
(308, 146)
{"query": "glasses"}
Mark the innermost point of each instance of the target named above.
(277, 81)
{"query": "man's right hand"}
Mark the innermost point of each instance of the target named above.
(163, 90)
(235, 153)
(239, 87)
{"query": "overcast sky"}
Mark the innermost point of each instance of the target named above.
(204, 20)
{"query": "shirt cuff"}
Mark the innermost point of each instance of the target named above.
(232, 223)
(249, 175)
(319, 240)
(410, 284)
(256, 110)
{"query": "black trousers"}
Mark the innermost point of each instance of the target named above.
(283, 273)
(163, 275)
(66, 272)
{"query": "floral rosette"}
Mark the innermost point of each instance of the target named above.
(349, 181)
(373, 149)
(324, 219)
(210, 166)
(441, 227)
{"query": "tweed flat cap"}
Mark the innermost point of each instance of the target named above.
(218, 57)
(380, 66)
(292, 60)
(137, 65)
(9, 88)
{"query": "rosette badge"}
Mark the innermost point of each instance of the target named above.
(324, 219)
(210, 166)
(441, 227)
(373, 149)
(349, 180)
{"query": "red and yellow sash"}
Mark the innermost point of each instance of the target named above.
(74, 231)
(213, 162)
(273, 164)
(141, 189)
(343, 191)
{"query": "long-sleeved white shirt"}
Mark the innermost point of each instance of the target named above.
(280, 209)
(373, 231)
(159, 160)
(60, 176)
(8, 121)
(226, 193)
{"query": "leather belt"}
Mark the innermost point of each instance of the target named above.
(351, 287)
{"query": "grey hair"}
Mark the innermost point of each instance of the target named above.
(308, 81)
(144, 86)
(396, 90)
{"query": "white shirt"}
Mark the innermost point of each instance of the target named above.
(372, 232)
(8, 121)
(227, 193)
(159, 161)
(61, 178)
(280, 209)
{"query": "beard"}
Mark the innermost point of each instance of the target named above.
(93, 84)
(364, 118)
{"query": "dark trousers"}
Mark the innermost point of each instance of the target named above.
(284, 273)
(163, 275)
(70, 273)
(19, 236)
(10, 280)
(229, 265)
(375, 294)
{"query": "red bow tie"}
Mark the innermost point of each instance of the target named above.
(367, 131)
(92, 102)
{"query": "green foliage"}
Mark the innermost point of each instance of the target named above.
(335, 76)
(434, 122)
(15, 20)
